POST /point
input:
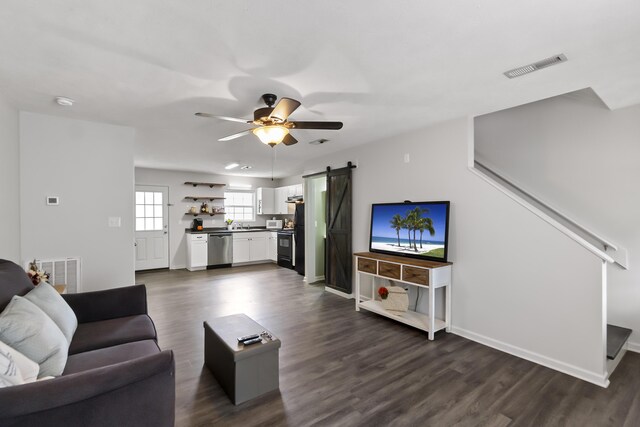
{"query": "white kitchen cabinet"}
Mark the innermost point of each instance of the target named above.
(272, 246)
(258, 248)
(265, 200)
(241, 249)
(281, 200)
(298, 190)
(250, 246)
(196, 252)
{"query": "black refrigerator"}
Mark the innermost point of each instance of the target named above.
(298, 235)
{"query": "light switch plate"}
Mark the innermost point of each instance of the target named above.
(115, 221)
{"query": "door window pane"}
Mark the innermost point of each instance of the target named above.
(149, 211)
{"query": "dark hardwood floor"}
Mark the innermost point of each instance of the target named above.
(339, 367)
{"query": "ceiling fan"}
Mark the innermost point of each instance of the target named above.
(272, 124)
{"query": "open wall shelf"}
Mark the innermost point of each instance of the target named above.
(204, 213)
(210, 198)
(209, 184)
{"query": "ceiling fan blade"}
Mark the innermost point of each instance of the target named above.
(289, 140)
(284, 108)
(229, 119)
(317, 125)
(236, 135)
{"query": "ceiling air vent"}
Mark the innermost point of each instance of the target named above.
(521, 71)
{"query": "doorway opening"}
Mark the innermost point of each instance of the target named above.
(316, 230)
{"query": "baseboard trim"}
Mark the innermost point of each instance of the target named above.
(633, 346)
(336, 292)
(592, 377)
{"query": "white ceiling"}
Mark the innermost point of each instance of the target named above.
(382, 68)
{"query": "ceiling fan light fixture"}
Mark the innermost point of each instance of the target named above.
(271, 135)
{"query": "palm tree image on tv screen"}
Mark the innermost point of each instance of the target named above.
(414, 229)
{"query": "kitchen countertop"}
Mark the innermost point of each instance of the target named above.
(224, 230)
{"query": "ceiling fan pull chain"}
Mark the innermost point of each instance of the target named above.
(273, 161)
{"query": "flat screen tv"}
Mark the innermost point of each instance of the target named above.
(411, 229)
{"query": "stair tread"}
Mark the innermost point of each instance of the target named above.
(616, 338)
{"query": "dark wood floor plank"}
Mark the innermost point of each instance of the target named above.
(339, 367)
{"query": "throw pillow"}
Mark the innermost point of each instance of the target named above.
(9, 372)
(28, 368)
(49, 300)
(29, 330)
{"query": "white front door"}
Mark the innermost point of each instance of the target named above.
(152, 227)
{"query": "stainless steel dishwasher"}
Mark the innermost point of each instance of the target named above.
(220, 250)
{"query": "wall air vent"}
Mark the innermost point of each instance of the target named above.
(521, 71)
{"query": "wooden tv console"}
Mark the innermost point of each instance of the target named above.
(415, 272)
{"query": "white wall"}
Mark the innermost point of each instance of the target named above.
(518, 284)
(9, 183)
(178, 221)
(90, 167)
(290, 180)
(582, 158)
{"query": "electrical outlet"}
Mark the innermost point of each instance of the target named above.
(115, 221)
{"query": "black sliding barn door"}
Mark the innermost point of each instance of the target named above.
(339, 258)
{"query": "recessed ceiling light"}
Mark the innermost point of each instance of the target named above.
(64, 101)
(245, 167)
(232, 165)
(318, 141)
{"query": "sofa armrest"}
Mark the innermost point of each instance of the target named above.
(136, 392)
(108, 304)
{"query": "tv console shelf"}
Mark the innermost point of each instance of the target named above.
(415, 272)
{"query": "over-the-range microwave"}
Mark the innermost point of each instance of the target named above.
(274, 224)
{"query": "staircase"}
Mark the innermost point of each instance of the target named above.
(610, 253)
(617, 338)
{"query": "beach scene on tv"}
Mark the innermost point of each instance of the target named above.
(410, 229)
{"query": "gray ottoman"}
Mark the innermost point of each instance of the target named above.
(244, 372)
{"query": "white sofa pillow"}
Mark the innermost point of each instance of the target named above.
(29, 330)
(16, 368)
(49, 300)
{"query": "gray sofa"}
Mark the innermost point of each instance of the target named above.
(116, 375)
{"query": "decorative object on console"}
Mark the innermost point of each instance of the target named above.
(37, 275)
(397, 300)
(383, 292)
